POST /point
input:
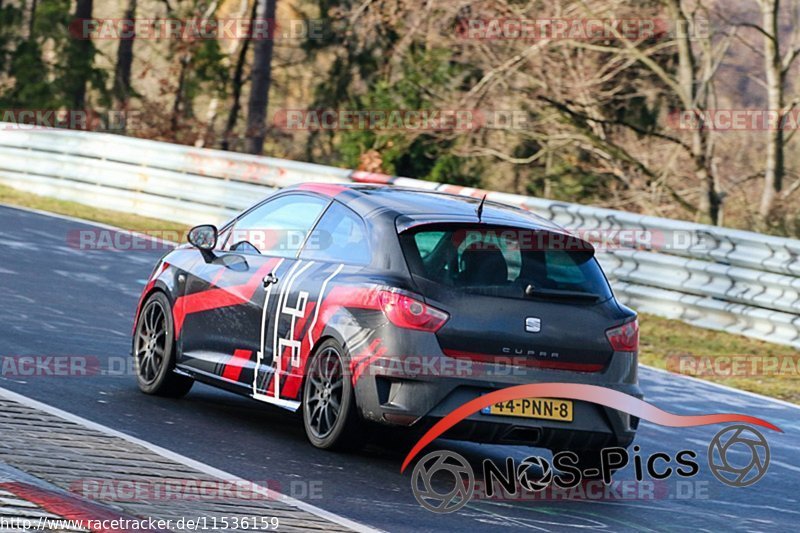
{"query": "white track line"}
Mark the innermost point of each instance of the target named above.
(191, 463)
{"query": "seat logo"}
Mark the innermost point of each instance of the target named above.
(533, 324)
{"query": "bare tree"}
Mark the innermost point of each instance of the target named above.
(261, 78)
(237, 83)
(689, 84)
(85, 54)
(29, 17)
(692, 86)
(777, 64)
(124, 64)
(185, 50)
(590, 84)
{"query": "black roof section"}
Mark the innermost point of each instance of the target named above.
(386, 200)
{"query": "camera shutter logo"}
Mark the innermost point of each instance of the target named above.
(738, 456)
(462, 480)
(535, 474)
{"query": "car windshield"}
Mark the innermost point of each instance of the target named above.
(511, 262)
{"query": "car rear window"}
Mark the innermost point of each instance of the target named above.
(501, 261)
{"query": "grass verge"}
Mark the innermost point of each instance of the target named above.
(733, 360)
(663, 341)
(127, 221)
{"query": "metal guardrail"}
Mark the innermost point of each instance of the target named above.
(718, 278)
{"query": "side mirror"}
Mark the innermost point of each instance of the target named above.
(203, 237)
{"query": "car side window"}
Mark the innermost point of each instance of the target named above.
(340, 237)
(427, 242)
(277, 227)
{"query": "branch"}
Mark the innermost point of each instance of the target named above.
(563, 107)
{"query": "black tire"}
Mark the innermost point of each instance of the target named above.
(154, 350)
(330, 418)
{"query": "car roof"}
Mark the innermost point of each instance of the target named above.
(418, 206)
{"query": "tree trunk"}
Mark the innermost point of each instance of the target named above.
(694, 98)
(711, 203)
(774, 164)
(233, 115)
(179, 104)
(29, 18)
(238, 77)
(85, 55)
(261, 76)
(122, 69)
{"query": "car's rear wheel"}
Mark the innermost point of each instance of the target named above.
(154, 351)
(329, 407)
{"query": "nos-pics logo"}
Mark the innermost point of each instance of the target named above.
(738, 456)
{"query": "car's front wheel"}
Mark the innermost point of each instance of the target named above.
(154, 350)
(329, 407)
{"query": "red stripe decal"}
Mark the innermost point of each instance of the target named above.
(234, 366)
(219, 297)
(215, 281)
(291, 386)
(339, 297)
(343, 296)
(374, 352)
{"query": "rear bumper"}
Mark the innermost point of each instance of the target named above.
(397, 393)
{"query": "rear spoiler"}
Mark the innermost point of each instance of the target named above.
(407, 222)
(530, 237)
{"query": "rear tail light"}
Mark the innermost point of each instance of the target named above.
(624, 338)
(406, 312)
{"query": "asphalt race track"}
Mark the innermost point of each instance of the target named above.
(59, 300)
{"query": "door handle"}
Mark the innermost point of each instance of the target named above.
(270, 279)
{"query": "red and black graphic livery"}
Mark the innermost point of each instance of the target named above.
(370, 303)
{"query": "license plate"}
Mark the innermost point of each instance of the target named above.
(543, 408)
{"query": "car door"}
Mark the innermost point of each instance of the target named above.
(227, 298)
(336, 250)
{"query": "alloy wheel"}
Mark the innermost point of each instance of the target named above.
(151, 341)
(324, 394)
